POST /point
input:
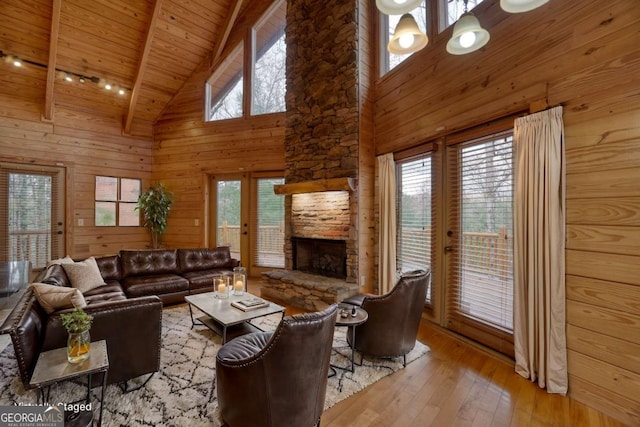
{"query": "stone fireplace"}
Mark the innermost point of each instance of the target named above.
(329, 156)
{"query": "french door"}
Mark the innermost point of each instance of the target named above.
(479, 240)
(248, 216)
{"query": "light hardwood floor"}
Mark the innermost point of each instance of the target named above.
(456, 384)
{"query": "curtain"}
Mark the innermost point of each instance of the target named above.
(387, 228)
(539, 246)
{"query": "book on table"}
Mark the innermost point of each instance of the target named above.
(250, 303)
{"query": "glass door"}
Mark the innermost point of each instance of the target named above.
(230, 214)
(479, 251)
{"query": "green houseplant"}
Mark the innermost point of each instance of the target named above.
(77, 323)
(155, 204)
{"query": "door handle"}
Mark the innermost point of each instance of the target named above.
(448, 248)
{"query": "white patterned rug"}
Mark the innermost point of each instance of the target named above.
(181, 392)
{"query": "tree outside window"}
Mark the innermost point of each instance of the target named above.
(115, 202)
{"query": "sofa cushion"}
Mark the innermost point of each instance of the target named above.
(146, 263)
(54, 275)
(52, 297)
(84, 275)
(204, 279)
(205, 259)
(109, 267)
(159, 284)
(110, 291)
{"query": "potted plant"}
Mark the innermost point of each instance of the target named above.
(77, 323)
(155, 204)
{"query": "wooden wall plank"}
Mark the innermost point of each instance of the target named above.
(621, 353)
(604, 238)
(606, 321)
(611, 211)
(598, 266)
(604, 293)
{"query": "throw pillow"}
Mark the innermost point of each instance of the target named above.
(52, 297)
(65, 260)
(84, 275)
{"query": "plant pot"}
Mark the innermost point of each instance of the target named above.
(78, 346)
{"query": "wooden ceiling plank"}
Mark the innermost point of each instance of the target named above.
(135, 92)
(226, 30)
(53, 51)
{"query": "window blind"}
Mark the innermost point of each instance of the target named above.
(415, 215)
(268, 248)
(480, 264)
(32, 213)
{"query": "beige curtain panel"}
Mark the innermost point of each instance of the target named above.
(539, 236)
(387, 227)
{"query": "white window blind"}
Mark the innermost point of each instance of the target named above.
(268, 248)
(32, 213)
(480, 269)
(415, 216)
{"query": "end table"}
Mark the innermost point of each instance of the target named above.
(52, 367)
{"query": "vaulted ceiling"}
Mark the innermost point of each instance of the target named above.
(147, 48)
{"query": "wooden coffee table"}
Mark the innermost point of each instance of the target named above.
(224, 319)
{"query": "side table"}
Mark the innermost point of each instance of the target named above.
(351, 322)
(52, 367)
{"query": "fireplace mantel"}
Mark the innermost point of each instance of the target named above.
(318, 185)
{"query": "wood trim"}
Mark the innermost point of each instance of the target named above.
(234, 10)
(332, 184)
(53, 52)
(144, 59)
(415, 151)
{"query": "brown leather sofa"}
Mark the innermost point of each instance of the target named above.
(277, 378)
(127, 309)
(392, 327)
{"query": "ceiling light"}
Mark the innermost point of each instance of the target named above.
(397, 7)
(68, 78)
(517, 6)
(121, 91)
(468, 36)
(107, 86)
(407, 37)
(17, 63)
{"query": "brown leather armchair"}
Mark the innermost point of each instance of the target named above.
(392, 327)
(277, 378)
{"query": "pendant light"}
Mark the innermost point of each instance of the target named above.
(468, 36)
(407, 37)
(397, 7)
(517, 6)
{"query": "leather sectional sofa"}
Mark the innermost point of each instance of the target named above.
(127, 309)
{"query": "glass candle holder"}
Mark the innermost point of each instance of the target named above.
(239, 280)
(221, 286)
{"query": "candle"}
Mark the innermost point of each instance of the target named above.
(239, 286)
(222, 287)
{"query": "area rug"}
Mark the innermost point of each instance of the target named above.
(182, 392)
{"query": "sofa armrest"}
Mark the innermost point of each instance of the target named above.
(132, 329)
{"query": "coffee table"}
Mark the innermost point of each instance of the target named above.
(224, 319)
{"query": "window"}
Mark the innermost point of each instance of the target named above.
(225, 89)
(480, 264)
(388, 26)
(31, 213)
(451, 11)
(269, 70)
(414, 215)
(116, 199)
(269, 240)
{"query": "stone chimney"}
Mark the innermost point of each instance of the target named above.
(322, 120)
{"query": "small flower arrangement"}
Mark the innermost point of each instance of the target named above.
(76, 321)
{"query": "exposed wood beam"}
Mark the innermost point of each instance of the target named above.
(53, 53)
(318, 185)
(142, 66)
(234, 10)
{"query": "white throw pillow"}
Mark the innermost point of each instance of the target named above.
(65, 260)
(84, 275)
(52, 297)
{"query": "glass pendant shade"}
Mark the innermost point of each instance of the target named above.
(468, 36)
(407, 38)
(397, 7)
(518, 6)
